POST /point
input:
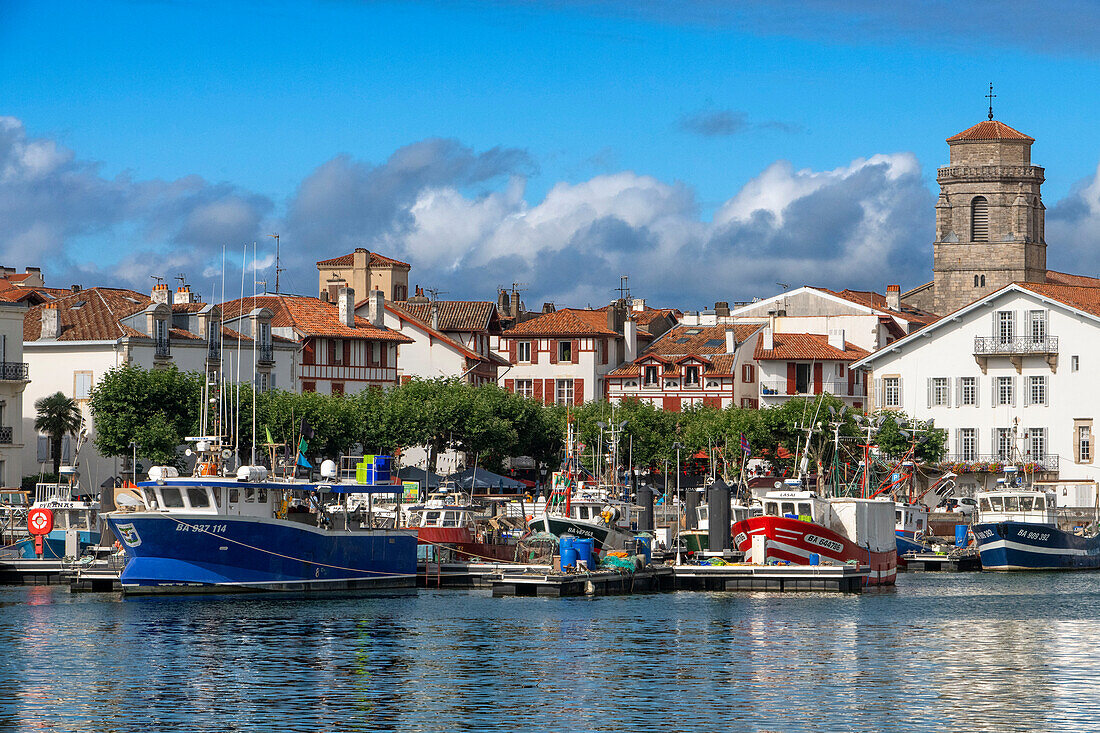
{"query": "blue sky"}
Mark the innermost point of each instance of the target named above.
(706, 149)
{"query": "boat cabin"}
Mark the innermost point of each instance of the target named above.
(69, 511)
(804, 505)
(1027, 506)
(738, 513)
(910, 519)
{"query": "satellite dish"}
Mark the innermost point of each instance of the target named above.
(226, 453)
(187, 453)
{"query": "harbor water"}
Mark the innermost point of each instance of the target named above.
(940, 652)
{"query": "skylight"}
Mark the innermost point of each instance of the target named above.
(681, 341)
(77, 304)
(715, 342)
(693, 331)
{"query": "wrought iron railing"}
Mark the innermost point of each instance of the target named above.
(214, 351)
(995, 463)
(994, 345)
(13, 371)
(266, 352)
(7, 435)
(779, 387)
(162, 351)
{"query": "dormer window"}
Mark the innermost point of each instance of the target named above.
(160, 336)
(565, 350)
(652, 376)
(691, 375)
(523, 352)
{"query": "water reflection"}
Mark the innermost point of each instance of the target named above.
(944, 652)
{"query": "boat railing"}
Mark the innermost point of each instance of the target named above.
(53, 492)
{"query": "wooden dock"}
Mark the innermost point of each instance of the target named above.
(916, 562)
(836, 578)
(468, 574)
(598, 583)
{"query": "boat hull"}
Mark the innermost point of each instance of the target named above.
(1022, 546)
(205, 553)
(53, 544)
(604, 537)
(794, 540)
(906, 543)
(465, 544)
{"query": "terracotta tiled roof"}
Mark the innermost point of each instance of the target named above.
(454, 344)
(564, 322)
(813, 346)
(309, 317)
(990, 130)
(1064, 278)
(179, 333)
(1082, 298)
(89, 315)
(877, 301)
(682, 340)
(32, 295)
(375, 260)
(187, 307)
(716, 364)
(454, 315)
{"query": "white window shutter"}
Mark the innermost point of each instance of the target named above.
(1013, 383)
(929, 391)
(43, 449)
(1026, 396)
(878, 393)
(1046, 392)
(901, 396)
(993, 383)
(958, 391)
(977, 392)
(958, 441)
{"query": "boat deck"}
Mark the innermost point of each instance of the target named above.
(916, 562)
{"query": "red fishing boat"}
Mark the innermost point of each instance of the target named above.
(798, 524)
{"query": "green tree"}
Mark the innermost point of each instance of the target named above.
(155, 408)
(57, 416)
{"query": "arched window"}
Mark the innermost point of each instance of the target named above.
(983, 281)
(979, 219)
(975, 281)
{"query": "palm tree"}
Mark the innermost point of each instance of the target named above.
(58, 416)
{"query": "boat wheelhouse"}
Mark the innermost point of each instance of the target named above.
(75, 518)
(452, 524)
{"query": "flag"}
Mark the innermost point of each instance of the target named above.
(307, 431)
(268, 431)
(303, 446)
(745, 445)
(303, 462)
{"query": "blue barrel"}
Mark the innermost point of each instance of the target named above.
(568, 551)
(961, 531)
(382, 467)
(643, 544)
(815, 559)
(584, 550)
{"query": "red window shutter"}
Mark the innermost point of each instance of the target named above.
(307, 352)
(671, 404)
(790, 377)
(851, 382)
(537, 387)
(553, 351)
(510, 385)
(715, 402)
(309, 386)
(347, 351)
(512, 351)
(817, 378)
(406, 378)
(605, 346)
(534, 351)
(578, 391)
(548, 392)
(575, 350)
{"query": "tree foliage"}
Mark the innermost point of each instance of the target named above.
(57, 416)
(157, 408)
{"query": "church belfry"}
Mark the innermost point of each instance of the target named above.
(989, 216)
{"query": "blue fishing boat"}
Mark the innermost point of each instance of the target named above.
(216, 533)
(1017, 529)
(73, 516)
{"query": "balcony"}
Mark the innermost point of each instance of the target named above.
(214, 352)
(266, 353)
(1015, 349)
(991, 463)
(7, 435)
(13, 371)
(162, 350)
(778, 388)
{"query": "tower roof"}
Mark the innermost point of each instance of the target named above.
(990, 130)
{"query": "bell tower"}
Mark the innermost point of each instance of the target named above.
(989, 216)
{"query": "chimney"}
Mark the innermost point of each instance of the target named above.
(376, 306)
(184, 295)
(162, 294)
(75, 288)
(548, 308)
(722, 308)
(51, 322)
(345, 301)
(435, 316)
(616, 316)
(731, 341)
(767, 338)
(836, 338)
(893, 297)
(630, 341)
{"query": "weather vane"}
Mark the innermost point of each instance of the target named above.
(991, 96)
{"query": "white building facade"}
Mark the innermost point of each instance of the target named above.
(1010, 377)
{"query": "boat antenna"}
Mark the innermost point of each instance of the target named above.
(237, 421)
(255, 339)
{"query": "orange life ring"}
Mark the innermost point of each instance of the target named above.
(207, 469)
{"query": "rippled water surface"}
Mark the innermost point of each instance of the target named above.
(950, 652)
